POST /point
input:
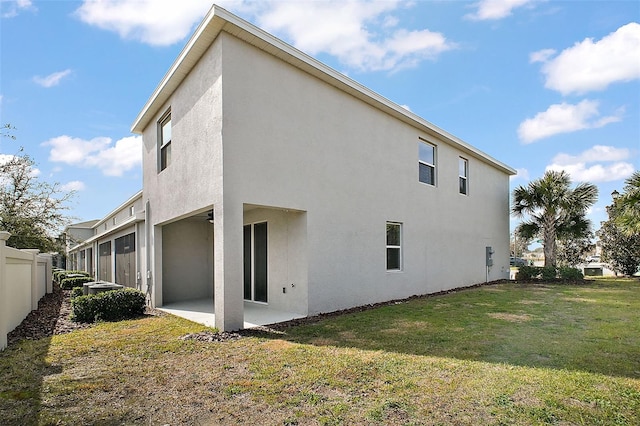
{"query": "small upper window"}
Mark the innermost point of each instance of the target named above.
(165, 141)
(426, 163)
(463, 166)
(394, 246)
(132, 211)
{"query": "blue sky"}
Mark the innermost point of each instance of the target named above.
(535, 84)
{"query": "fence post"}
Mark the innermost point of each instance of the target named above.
(4, 236)
(34, 277)
(48, 272)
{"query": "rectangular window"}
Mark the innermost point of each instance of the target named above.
(165, 141)
(394, 246)
(426, 163)
(463, 166)
(132, 211)
(104, 261)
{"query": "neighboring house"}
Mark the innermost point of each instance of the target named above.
(271, 179)
(109, 249)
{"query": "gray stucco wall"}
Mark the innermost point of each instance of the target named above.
(332, 170)
(292, 140)
(194, 178)
(187, 263)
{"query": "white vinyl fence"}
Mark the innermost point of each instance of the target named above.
(25, 276)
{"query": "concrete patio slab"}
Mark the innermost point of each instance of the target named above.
(201, 311)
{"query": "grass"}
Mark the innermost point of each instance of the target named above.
(497, 355)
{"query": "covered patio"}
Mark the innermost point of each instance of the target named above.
(201, 311)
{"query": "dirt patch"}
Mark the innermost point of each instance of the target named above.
(579, 299)
(510, 317)
(210, 336)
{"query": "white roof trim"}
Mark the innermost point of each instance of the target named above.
(122, 206)
(111, 231)
(218, 20)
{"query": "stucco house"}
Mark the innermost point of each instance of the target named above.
(110, 248)
(272, 180)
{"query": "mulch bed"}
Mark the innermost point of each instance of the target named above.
(53, 316)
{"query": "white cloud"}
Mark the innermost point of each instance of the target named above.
(495, 9)
(590, 165)
(111, 159)
(594, 154)
(564, 118)
(362, 34)
(157, 22)
(541, 55)
(520, 174)
(591, 66)
(12, 8)
(406, 107)
(359, 33)
(74, 185)
(51, 79)
(5, 158)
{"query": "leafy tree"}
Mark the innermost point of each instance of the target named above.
(573, 251)
(30, 209)
(519, 245)
(628, 205)
(620, 245)
(554, 211)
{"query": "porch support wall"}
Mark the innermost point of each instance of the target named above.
(228, 271)
(156, 268)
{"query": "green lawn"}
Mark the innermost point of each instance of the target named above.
(503, 354)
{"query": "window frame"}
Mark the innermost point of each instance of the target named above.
(465, 177)
(394, 247)
(164, 147)
(422, 162)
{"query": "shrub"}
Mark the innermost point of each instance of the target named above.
(114, 305)
(70, 283)
(570, 274)
(527, 272)
(76, 291)
(61, 274)
(548, 273)
(58, 274)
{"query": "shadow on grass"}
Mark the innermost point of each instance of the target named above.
(23, 364)
(594, 327)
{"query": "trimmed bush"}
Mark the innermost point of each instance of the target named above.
(57, 275)
(527, 272)
(548, 273)
(60, 275)
(114, 305)
(70, 283)
(570, 274)
(76, 291)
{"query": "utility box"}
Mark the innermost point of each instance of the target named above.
(593, 271)
(488, 256)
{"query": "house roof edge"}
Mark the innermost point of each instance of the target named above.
(217, 19)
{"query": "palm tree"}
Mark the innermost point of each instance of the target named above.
(629, 205)
(554, 210)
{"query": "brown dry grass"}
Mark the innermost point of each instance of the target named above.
(485, 359)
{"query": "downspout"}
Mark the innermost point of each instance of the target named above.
(147, 239)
